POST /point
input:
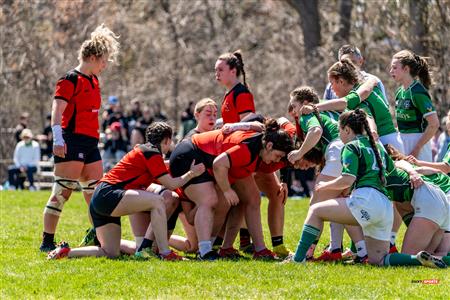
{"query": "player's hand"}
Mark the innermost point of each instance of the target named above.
(412, 160)
(197, 169)
(415, 179)
(231, 197)
(60, 150)
(283, 192)
(415, 152)
(320, 186)
(227, 129)
(294, 156)
(257, 126)
(306, 110)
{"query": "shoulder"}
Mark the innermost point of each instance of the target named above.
(71, 76)
(148, 150)
(240, 89)
(419, 89)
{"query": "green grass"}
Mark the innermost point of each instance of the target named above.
(27, 274)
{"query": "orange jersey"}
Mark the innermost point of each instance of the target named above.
(138, 169)
(82, 94)
(237, 101)
(241, 147)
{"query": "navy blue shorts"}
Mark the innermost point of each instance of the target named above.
(105, 199)
(80, 148)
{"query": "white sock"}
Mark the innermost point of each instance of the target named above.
(337, 234)
(138, 240)
(204, 247)
(361, 248)
(393, 237)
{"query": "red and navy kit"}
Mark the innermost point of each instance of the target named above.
(138, 169)
(237, 101)
(82, 94)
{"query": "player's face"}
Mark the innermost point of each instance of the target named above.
(206, 119)
(397, 70)
(338, 86)
(346, 134)
(270, 155)
(224, 75)
(99, 64)
(166, 145)
(296, 106)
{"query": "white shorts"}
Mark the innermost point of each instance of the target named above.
(333, 165)
(410, 141)
(431, 203)
(393, 139)
(373, 211)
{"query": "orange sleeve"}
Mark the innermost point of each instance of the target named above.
(239, 155)
(64, 90)
(245, 103)
(155, 165)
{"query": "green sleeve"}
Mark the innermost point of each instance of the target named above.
(390, 167)
(353, 100)
(309, 121)
(423, 103)
(349, 160)
(365, 107)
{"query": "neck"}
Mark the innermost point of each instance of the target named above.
(231, 84)
(84, 68)
(406, 82)
(201, 129)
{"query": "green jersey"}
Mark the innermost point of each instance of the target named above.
(330, 130)
(358, 160)
(333, 114)
(447, 156)
(399, 188)
(411, 107)
(375, 106)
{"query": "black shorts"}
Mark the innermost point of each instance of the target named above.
(80, 148)
(181, 160)
(105, 199)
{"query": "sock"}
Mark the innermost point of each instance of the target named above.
(353, 247)
(310, 252)
(48, 238)
(218, 241)
(309, 235)
(277, 240)
(361, 248)
(337, 234)
(244, 237)
(393, 237)
(400, 259)
(138, 240)
(146, 243)
(407, 218)
(260, 248)
(204, 247)
(446, 259)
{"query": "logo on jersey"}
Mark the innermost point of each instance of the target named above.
(407, 104)
(365, 215)
(81, 155)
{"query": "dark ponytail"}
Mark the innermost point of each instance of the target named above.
(357, 121)
(418, 66)
(157, 132)
(280, 139)
(234, 61)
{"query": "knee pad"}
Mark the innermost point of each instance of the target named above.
(88, 186)
(62, 188)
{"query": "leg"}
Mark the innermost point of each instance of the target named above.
(233, 224)
(418, 235)
(30, 175)
(376, 250)
(90, 175)
(13, 173)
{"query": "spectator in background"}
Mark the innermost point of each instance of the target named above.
(113, 101)
(115, 147)
(23, 123)
(358, 59)
(46, 139)
(136, 111)
(26, 158)
(188, 121)
(138, 133)
(444, 139)
(158, 115)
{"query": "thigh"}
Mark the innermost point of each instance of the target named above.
(269, 184)
(69, 169)
(109, 238)
(92, 171)
(418, 235)
(202, 193)
(134, 201)
(247, 190)
(334, 210)
(326, 194)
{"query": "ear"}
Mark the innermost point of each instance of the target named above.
(269, 146)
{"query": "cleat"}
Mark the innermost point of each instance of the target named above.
(247, 249)
(281, 251)
(348, 255)
(47, 247)
(393, 249)
(428, 260)
(209, 256)
(146, 253)
(59, 252)
(290, 260)
(361, 260)
(264, 254)
(229, 253)
(328, 255)
(90, 239)
(172, 256)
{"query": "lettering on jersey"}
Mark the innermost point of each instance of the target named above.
(365, 215)
(403, 116)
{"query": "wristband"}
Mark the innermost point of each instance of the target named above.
(57, 135)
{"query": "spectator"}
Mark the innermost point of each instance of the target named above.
(138, 133)
(23, 123)
(113, 101)
(136, 111)
(115, 147)
(46, 139)
(26, 158)
(444, 139)
(158, 115)
(188, 121)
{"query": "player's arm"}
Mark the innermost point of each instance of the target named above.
(58, 107)
(427, 135)
(312, 138)
(414, 176)
(341, 183)
(221, 167)
(441, 166)
(173, 183)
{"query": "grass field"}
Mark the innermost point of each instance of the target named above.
(27, 274)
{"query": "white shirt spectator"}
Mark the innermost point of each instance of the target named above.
(27, 155)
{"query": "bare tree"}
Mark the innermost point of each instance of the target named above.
(418, 9)
(345, 21)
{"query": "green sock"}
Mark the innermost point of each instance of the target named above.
(353, 247)
(407, 218)
(401, 259)
(309, 235)
(446, 259)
